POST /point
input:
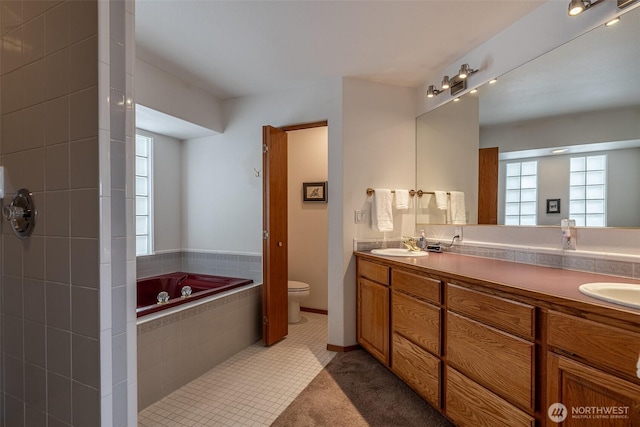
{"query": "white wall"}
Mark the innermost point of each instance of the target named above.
(224, 211)
(378, 151)
(307, 151)
(168, 94)
(167, 192)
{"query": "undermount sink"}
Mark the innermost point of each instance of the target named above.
(626, 294)
(398, 252)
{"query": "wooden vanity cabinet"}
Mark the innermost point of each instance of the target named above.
(372, 317)
(592, 368)
(416, 332)
(486, 357)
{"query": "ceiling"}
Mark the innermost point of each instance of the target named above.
(238, 48)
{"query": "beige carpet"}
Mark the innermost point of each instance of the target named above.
(356, 390)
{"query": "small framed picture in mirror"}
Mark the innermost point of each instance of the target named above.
(553, 206)
(314, 191)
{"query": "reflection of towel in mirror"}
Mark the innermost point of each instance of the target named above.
(402, 199)
(458, 210)
(441, 200)
(382, 215)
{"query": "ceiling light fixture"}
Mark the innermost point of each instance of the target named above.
(576, 7)
(474, 90)
(559, 151)
(493, 81)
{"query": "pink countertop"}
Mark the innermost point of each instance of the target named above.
(553, 285)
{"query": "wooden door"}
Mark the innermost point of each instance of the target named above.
(590, 397)
(274, 248)
(373, 318)
(488, 186)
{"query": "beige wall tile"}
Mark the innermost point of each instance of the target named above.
(57, 213)
(84, 114)
(33, 40)
(57, 259)
(85, 213)
(83, 20)
(11, 57)
(57, 74)
(56, 120)
(85, 268)
(34, 83)
(83, 64)
(57, 167)
(12, 92)
(12, 132)
(84, 163)
(57, 28)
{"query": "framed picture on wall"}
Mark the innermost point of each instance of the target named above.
(553, 205)
(314, 191)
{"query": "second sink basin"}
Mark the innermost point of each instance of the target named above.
(398, 252)
(626, 294)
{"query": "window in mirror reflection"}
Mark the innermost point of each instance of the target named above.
(143, 185)
(587, 192)
(521, 193)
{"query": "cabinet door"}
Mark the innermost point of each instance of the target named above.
(591, 397)
(373, 319)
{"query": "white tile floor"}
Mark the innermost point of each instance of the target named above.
(251, 388)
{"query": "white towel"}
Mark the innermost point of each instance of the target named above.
(441, 200)
(381, 212)
(458, 210)
(402, 199)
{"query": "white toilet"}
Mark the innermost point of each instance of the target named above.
(297, 292)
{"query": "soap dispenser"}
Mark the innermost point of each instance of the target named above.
(568, 234)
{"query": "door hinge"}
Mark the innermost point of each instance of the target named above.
(265, 320)
(265, 235)
(265, 148)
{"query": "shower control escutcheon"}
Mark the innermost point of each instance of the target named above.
(21, 213)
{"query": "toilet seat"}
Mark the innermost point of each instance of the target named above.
(295, 286)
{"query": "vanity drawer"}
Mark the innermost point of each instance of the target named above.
(511, 316)
(414, 284)
(416, 320)
(499, 361)
(371, 270)
(419, 369)
(606, 346)
(469, 404)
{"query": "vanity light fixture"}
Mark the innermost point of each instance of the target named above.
(465, 71)
(455, 84)
(576, 7)
(613, 21)
(432, 91)
(445, 83)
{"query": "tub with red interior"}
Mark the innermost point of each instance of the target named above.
(202, 285)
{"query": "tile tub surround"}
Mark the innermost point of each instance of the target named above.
(179, 347)
(246, 266)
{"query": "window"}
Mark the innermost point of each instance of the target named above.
(144, 216)
(587, 190)
(521, 193)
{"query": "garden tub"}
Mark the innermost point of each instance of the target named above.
(202, 285)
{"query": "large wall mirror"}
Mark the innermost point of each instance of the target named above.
(567, 130)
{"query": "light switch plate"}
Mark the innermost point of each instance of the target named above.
(360, 216)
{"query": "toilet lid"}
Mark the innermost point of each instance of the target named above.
(297, 286)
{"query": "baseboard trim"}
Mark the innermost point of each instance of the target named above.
(314, 310)
(342, 349)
